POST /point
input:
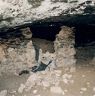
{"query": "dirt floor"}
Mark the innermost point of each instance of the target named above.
(79, 83)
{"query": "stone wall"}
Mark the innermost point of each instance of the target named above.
(16, 59)
(17, 53)
(24, 52)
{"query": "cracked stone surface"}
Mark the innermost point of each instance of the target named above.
(18, 12)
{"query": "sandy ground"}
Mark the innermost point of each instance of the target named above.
(82, 81)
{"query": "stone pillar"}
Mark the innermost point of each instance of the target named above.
(64, 47)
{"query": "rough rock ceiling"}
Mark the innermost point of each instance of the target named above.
(19, 12)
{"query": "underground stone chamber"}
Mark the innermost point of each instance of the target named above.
(67, 43)
(20, 51)
(23, 48)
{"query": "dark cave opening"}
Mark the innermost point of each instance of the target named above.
(45, 32)
(85, 35)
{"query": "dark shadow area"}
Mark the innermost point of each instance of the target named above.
(10, 33)
(85, 55)
(85, 44)
(45, 32)
(85, 35)
(43, 37)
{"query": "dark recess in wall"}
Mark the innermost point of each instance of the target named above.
(46, 32)
(84, 34)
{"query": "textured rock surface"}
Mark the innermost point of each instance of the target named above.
(19, 54)
(56, 82)
(3, 93)
(20, 89)
(64, 47)
(19, 12)
(57, 90)
(45, 79)
(48, 80)
(2, 52)
(26, 32)
(17, 59)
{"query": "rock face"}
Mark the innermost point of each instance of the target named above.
(44, 79)
(26, 32)
(17, 59)
(19, 55)
(57, 90)
(16, 54)
(64, 47)
(18, 12)
(2, 53)
(22, 52)
(3, 93)
(46, 58)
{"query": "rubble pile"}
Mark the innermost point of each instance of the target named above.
(44, 79)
